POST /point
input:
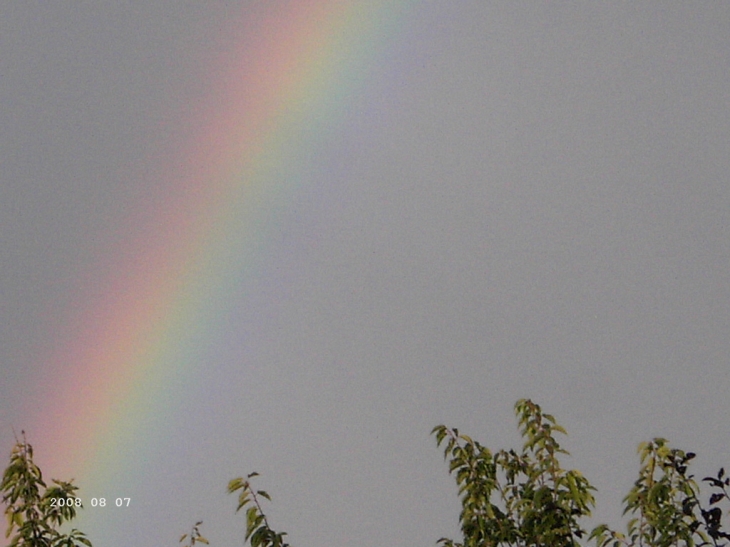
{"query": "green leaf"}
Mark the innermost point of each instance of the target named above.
(235, 484)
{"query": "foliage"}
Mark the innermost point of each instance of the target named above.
(258, 530)
(712, 518)
(520, 500)
(527, 499)
(31, 514)
(508, 499)
(195, 536)
(664, 504)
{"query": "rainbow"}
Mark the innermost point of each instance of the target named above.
(278, 96)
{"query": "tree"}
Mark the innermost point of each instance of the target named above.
(508, 499)
(521, 500)
(527, 499)
(665, 506)
(33, 516)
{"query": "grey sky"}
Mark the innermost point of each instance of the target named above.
(533, 201)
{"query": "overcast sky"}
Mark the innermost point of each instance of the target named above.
(530, 200)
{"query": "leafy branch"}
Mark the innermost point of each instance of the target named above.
(258, 530)
(32, 516)
(518, 500)
(195, 536)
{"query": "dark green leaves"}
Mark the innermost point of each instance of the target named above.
(714, 498)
